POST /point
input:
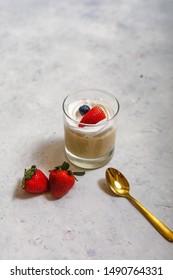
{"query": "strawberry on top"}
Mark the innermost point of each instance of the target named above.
(93, 116)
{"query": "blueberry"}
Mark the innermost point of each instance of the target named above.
(84, 109)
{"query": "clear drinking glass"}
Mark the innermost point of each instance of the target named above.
(90, 145)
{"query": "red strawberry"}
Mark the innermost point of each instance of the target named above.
(61, 180)
(93, 116)
(34, 180)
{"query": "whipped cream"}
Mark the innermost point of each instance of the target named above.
(75, 117)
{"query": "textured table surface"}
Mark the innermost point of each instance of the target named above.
(49, 49)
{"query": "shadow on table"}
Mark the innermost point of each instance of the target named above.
(104, 187)
(50, 154)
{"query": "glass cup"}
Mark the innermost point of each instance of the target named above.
(90, 145)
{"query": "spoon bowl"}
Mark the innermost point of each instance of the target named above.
(120, 186)
(117, 182)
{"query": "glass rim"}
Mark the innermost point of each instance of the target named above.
(97, 90)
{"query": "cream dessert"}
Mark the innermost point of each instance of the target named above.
(86, 136)
(90, 127)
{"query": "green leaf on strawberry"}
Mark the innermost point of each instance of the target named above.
(28, 173)
(65, 166)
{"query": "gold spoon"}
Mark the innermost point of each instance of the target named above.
(120, 186)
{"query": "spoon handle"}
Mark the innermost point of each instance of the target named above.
(164, 230)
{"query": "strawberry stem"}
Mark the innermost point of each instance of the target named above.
(57, 167)
(70, 172)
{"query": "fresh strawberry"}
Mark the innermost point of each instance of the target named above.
(93, 116)
(61, 180)
(34, 180)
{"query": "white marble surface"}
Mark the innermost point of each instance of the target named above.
(47, 50)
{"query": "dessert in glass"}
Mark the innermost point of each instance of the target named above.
(90, 127)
